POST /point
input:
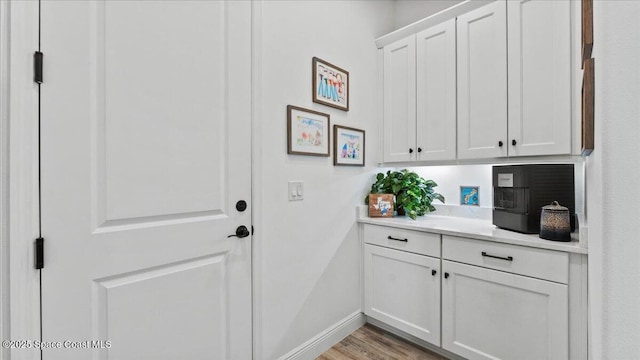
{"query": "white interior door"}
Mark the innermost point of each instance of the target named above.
(145, 152)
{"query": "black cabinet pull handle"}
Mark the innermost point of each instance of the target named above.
(446, 275)
(514, 142)
(396, 239)
(419, 149)
(433, 272)
(500, 143)
(410, 151)
(508, 258)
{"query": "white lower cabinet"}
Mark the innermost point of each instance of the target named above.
(476, 299)
(403, 290)
(489, 314)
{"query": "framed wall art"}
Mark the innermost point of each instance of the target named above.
(330, 85)
(307, 132)
(348, 146)
(470, 195)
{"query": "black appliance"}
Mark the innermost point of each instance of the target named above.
(520, 192)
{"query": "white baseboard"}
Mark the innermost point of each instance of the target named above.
(326, 339)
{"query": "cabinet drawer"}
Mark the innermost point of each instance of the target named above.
(538, 263)
(407, 240)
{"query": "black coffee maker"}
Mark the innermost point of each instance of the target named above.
(520, 192)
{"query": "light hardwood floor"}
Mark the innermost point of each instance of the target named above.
(372, 343)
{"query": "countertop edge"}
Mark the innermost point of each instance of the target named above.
(570, 247)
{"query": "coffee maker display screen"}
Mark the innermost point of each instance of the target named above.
(505, 180)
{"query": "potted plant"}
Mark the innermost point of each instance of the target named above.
(413, 194)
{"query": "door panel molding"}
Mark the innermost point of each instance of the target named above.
(126, 186)
(159, 220)
(115, 310)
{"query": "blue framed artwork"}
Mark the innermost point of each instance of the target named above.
(470, 195)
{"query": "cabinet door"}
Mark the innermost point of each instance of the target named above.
(489, 314)
(436, 92)
(539, 77)
(403, 290)
(482, 82)
(400, 100)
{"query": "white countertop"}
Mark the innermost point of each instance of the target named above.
(474, 228)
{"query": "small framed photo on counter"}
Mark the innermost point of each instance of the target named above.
(380, 205)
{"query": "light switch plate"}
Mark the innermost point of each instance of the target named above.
(296, 190)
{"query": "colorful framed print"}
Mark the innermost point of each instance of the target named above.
(330, 85)
(307, 132)
(348, 146)
(470, 195)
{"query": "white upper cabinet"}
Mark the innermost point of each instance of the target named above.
(493, 82)
(539, 46)
(482, 82)
(420, 96)
(436, 92)
(400, 100)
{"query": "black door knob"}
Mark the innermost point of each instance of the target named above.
(514, 142)
(500, 143)
(433, 272)
(419, 150)
(446, 275)
(410, 151)
(241, 232)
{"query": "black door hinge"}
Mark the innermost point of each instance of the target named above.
(37, 67)
(39, 251)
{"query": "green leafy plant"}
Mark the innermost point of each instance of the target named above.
(413, 194)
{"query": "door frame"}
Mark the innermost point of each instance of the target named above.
(19, 160)
(256, 178)
(4, 162)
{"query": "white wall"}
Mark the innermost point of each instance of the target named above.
(308, 252)
(613, 170)
(450, 178)
(409, 11)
